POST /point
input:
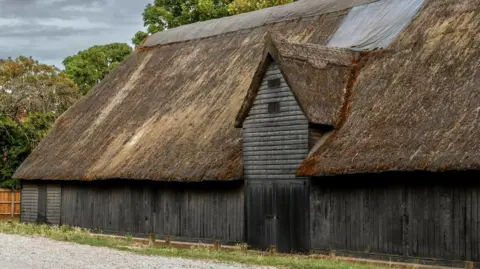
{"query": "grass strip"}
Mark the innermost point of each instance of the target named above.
(86, 237)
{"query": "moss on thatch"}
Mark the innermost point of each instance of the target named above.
(416, 107)
(317, 76)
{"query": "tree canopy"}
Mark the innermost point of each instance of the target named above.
(165, 14)
(242, 6)
(90, 66)
(34, 87)
(32, 96)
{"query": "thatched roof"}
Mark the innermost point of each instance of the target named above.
(244, 22)
(417, 105)
(168, 111)
(317, 76)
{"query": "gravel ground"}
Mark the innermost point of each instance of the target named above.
(20, 252)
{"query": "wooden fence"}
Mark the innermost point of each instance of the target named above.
(9, 204)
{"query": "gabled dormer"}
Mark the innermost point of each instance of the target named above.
(298, 82)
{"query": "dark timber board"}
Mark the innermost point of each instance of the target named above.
(29, 203)
(276, 214)
(409, 215)
(200, 212)
(275, 143)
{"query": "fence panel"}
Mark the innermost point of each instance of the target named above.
(9, 203)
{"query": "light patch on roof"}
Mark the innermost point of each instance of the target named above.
(375, 25)
(121, 94)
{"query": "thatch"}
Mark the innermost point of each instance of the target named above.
(417, 106)
(283, 13)
(317, 76)
(167, 113)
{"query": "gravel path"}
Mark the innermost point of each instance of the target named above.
(20, 252)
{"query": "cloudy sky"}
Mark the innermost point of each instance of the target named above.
(50, 30)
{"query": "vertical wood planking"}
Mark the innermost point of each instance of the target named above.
(54, 197)
(405, 215)
(197, 213)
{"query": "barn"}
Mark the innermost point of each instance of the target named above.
(332, 126)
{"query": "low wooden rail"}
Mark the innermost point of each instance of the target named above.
(9, 203)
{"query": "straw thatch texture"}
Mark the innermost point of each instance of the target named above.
(293, 11)
(416, 107)
(317, 76)
(166, 113)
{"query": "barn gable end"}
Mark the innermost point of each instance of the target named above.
(275, 142)
(275, 138)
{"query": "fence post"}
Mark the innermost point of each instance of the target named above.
(12, 208)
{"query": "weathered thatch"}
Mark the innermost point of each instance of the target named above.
(317, 76)
(167, 112)
(417, 106)
(283, 13)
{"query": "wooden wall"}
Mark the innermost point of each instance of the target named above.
(189, 212)
(409, 215)
(54, 199)
(275, 143)
(29, 204)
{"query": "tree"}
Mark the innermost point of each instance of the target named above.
(242, 6)
(139, 37)
(89, 67)
(166, 14)
(17, 140)
(28, 86)
(32, 96)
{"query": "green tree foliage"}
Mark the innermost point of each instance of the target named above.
(26, 84)
(139, 37)
(89, 67)
(32, 95)
(17, 140)
(242, 6)
(165, 14)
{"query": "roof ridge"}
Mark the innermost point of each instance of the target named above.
(254, 19)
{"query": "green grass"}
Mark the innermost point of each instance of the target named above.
(84, 236)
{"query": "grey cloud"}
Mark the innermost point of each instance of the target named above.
(50, 30)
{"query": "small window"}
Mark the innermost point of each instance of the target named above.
(274, 83)
(273, 107)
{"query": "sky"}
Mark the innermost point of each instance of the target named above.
(50, 30)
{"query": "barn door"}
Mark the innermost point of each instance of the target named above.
(260, 215)
(291, 205)
(40, 203)
(276, 215)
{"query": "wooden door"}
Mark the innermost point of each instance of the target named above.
(277, 215)
(291, 205)
(260, 214)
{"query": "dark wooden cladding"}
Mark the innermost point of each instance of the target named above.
(42, 203)
(409, 215)
(276, 214)
(201, 212)
(275, 142)
(29, 203)
(54, 198)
